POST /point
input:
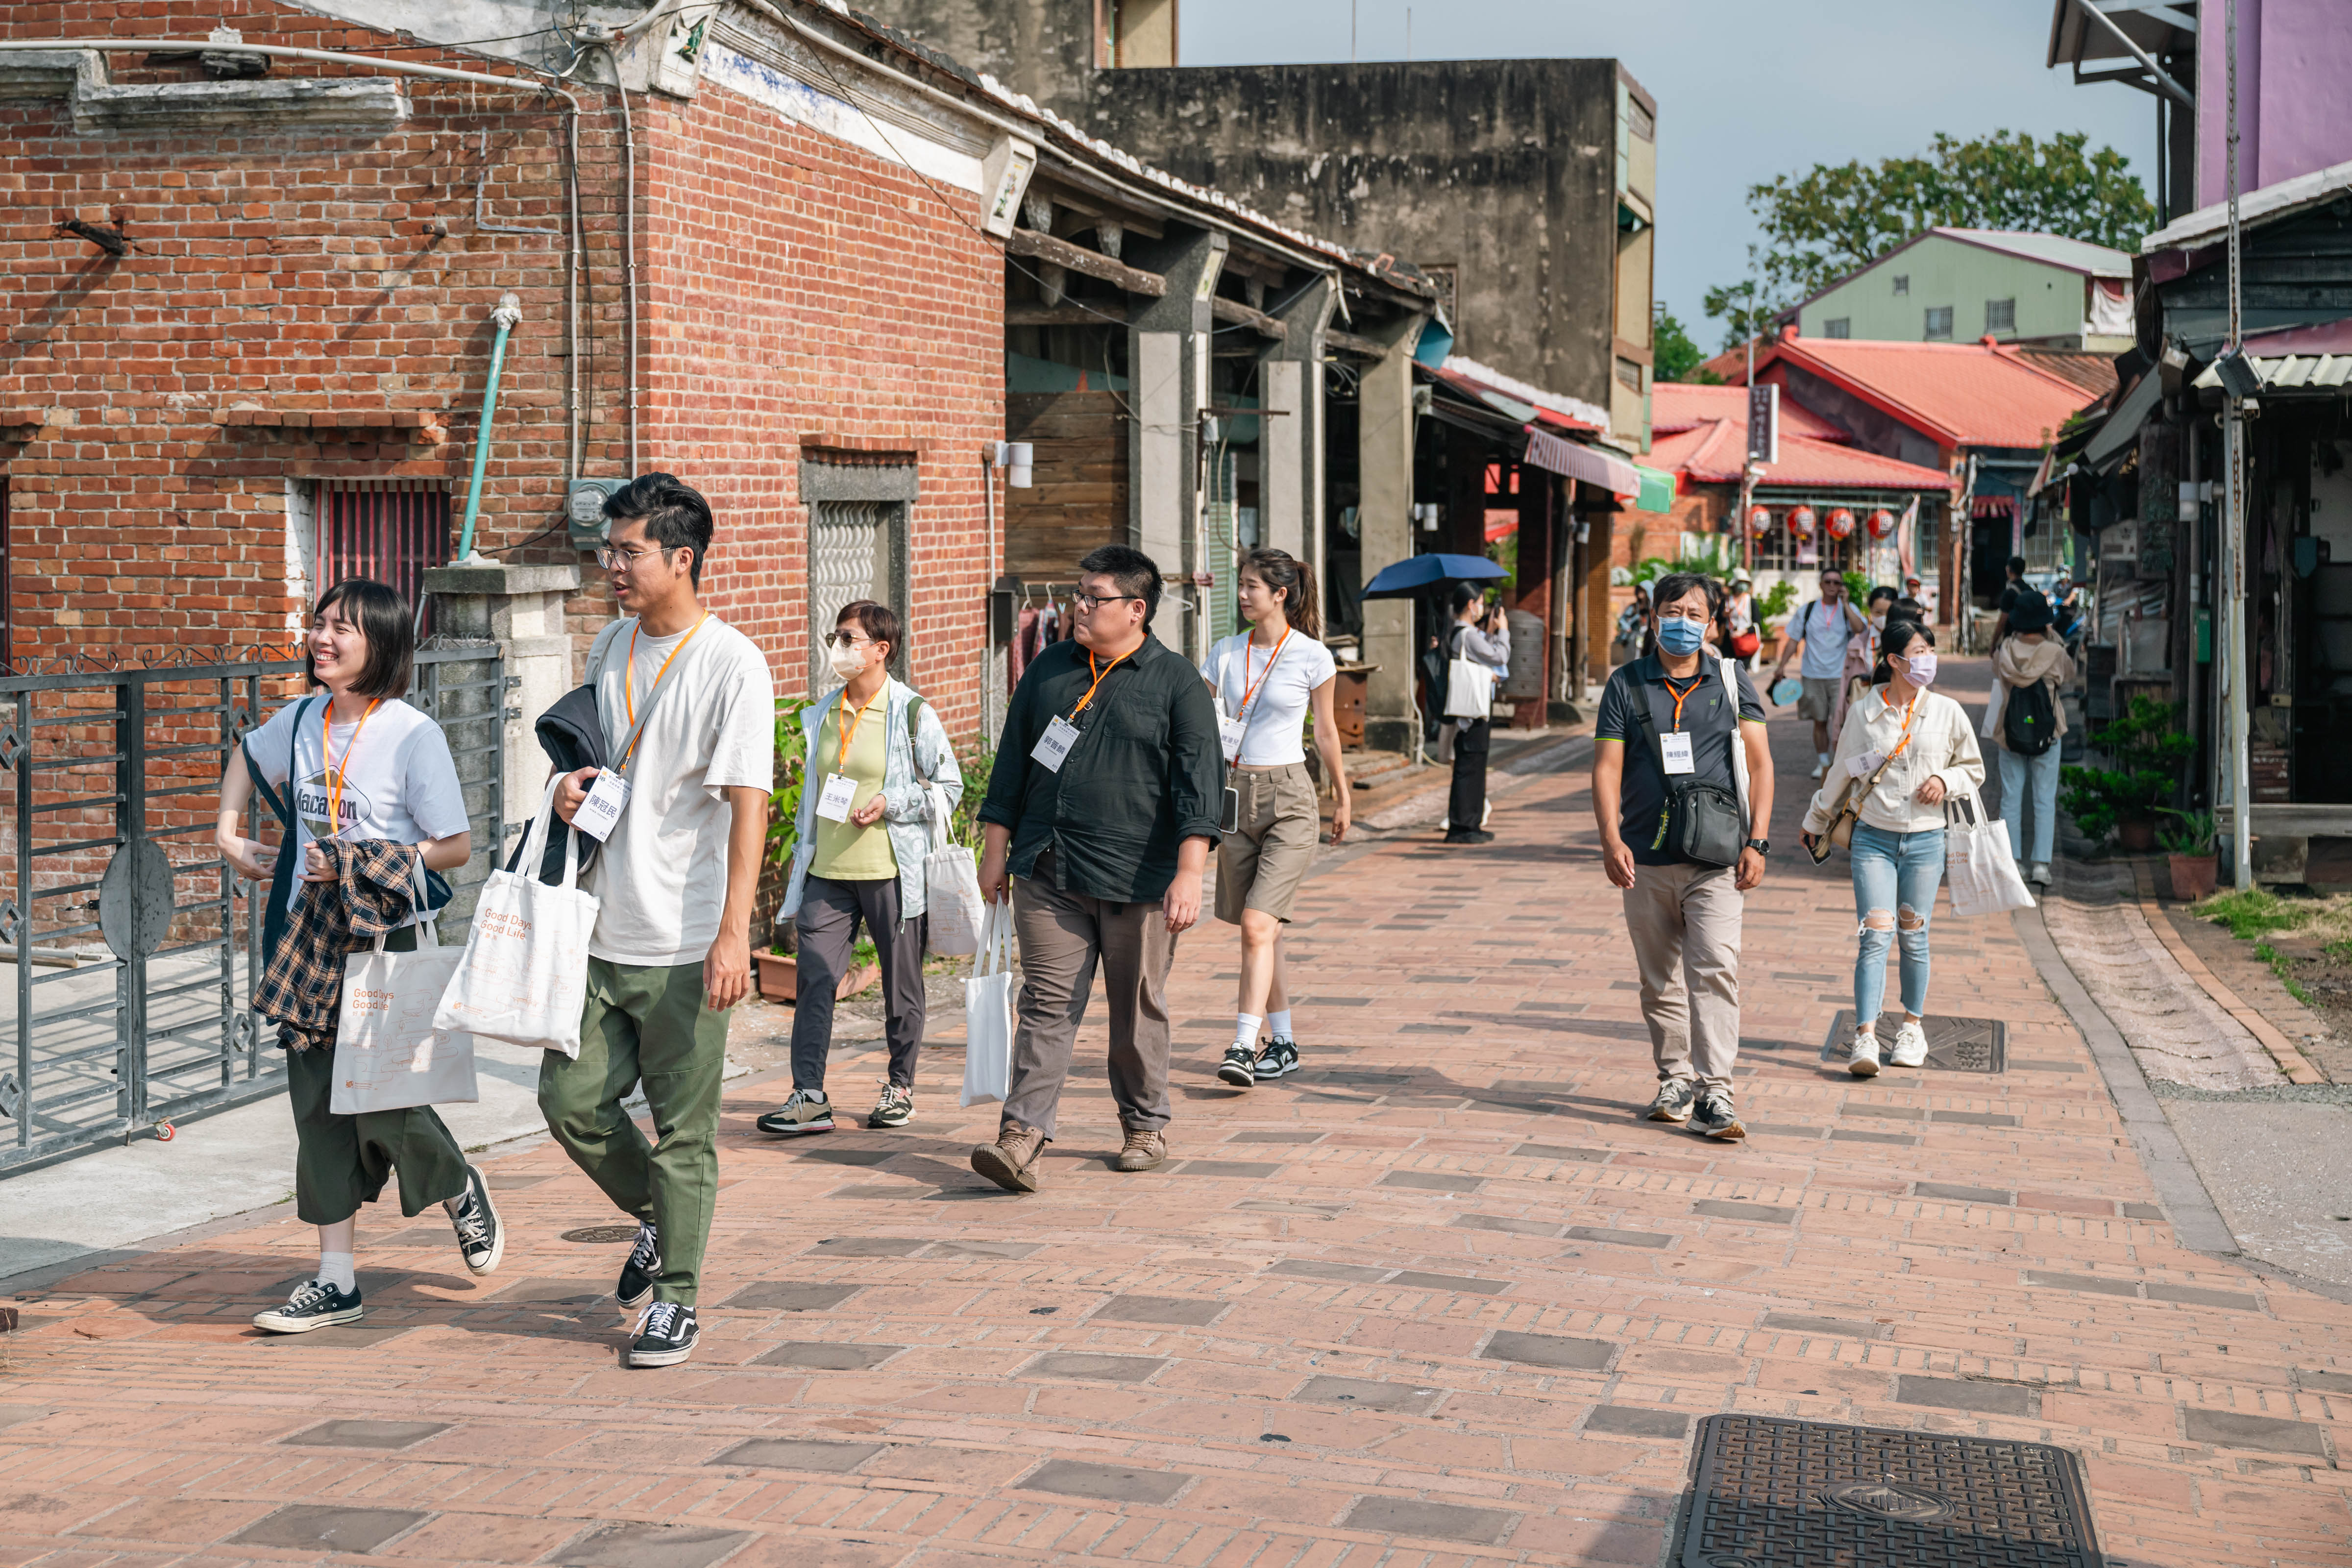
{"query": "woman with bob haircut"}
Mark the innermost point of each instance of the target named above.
(365, 776)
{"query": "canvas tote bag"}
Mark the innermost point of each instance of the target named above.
(988, 1010)
(388, 1055)
(950, 886)
(1978, 869)
(524, 977)
(1469, 684)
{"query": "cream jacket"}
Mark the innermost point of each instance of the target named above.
(1943, 746)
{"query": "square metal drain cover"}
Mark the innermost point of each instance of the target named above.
(1807, 1494)
(1954, 1044)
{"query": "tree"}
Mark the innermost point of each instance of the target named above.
(1677, 358)
(1830, 220)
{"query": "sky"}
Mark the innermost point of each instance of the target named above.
(1745, 90)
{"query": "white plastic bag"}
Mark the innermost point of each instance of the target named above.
(524, 978)
(1978, 867)
(988, 1010)
(950, 887)
(388, 1055)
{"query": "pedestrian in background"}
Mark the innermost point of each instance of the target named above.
(2033, 667)
(369, 781)
(858, 848)
(1481, 634)
(689, 716)
(1742, 634)
(1906, 750)
(1667, 731)
(1861, 655)
(1100, 814)
(1266, 680)
(1821, 630)
(2011, 591)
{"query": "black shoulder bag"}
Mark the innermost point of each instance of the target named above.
(1700, 821)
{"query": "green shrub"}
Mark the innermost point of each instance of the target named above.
(1778, 601)
(2148, 751)
(792, 771)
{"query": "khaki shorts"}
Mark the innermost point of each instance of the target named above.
(1261, 866)
(1819, 702)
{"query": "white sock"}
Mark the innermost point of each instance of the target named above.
(1245, 1030)
(335, 1268)
(1824, 757)
(1279, 1024)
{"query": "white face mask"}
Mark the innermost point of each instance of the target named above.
(847, 662)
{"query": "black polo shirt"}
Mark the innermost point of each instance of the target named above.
(1712, 730)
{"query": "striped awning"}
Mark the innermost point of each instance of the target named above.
(1578, 461)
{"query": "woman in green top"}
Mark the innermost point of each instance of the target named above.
(864, 830)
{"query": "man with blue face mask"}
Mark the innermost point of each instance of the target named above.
(1681, 786)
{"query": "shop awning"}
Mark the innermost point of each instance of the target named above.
(1578, 461)
(1658, 489)
(2122, 427)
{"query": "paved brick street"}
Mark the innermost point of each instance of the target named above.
(1439, 1299)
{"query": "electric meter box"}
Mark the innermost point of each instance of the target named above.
(583, 511)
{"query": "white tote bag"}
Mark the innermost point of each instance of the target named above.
(524, 977)
(950, 886)
(1469, 690)
(988, 1010)
(388, 1055)
(1978, 867)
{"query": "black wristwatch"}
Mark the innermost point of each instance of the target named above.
(1761, 845)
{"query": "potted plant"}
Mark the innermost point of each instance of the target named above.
(2148, 751)
(2190, 847)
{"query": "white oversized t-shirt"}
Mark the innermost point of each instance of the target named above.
(1277, 709)
(661, 877)
(396, 783)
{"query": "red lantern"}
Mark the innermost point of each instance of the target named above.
(1760, 520)
(1840, 523)
(1800, 522)
(1881, 523)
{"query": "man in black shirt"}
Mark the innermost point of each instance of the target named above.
(1102, 807)
(1666, 725)
(2008, 597)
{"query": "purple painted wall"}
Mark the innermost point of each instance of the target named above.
(2294, 59)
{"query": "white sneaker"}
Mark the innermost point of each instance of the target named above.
(1910, 1048)
(1820, 768)
(1861, 1058)
(2040, 875)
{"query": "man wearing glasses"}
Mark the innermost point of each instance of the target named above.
(688, 710)
(1101, 811)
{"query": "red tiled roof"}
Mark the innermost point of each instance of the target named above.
(1713, 453)
(1959, 395)
(1677, 406)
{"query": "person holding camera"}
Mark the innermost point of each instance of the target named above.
(1482, 633)
(1681, 786)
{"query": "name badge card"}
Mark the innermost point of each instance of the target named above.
(840, 789)
(1676, 745)
(1231, 731)
(601, 811)
(1054, 745)
(1866, 765)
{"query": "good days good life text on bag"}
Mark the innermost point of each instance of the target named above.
(525, 974)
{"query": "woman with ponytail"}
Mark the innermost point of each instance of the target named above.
(1265, 681)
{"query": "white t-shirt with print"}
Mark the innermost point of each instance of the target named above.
(1277, 709)
(1826, 632)
(661, 877)
(396, 783)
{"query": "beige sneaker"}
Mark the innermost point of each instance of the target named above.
(1012, 1160)
(1145, 1148)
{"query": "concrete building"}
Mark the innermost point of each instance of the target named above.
(1961, 284)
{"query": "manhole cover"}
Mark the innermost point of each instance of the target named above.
(602, 1233)
(1807, 1494)
(1954, 1044)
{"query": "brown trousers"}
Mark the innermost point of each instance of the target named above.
(1684, 922)
(1063, 937)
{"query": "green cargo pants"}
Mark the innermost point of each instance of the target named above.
(647, 1025)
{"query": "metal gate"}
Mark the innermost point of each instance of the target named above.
(134, 950)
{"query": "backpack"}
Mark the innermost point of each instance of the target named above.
(2029, 721)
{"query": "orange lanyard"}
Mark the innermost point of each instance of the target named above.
(849, 727)
(1249, 687)
(1099, 674)
(327, 753)
(1678, 696)
(629, 683)
(1909, 713)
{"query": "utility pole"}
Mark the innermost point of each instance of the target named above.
(1750, 468)
(2233, 528)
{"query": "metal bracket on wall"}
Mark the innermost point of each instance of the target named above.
(481, 200)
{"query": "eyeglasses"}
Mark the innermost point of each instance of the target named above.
(848, 639)
(1089, 602)
(622, 560)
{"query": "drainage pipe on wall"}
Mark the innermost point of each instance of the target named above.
(628, 242)
(508, 312)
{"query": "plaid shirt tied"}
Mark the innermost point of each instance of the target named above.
(373, 893)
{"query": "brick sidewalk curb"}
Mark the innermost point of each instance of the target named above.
(2291, 1060)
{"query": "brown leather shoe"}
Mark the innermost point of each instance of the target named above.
(1145, 1148)
(1012, 1160)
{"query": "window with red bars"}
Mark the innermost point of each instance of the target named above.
(390, 530)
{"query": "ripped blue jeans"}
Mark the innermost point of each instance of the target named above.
(1894, 880)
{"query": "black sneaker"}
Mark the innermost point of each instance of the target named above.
(315, 1304)
(666, 1335)
(481, 1239)
(1278, 1058)
(637, 1273)
(1716, 1119)
(1674, 1101)
(1469, 835)
(895, 1109)
(1240, 1065)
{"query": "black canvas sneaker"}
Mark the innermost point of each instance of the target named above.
(1716, 1119)
(666, 1335)
(1240, 1065)
(637, 1273)
(315, 1304)
(1674, 1101)
(1279, 1057)
(481, 1239)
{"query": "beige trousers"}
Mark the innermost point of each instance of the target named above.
(1684, 922)
(1063, 937)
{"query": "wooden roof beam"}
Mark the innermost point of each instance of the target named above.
(1092, 263)
(1240, 315)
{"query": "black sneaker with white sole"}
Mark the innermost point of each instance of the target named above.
(1240, 1065)
(315, 1304)
(637, 1274)
(1713, 1118)
(1279, 1057)
(666, 1335)
(481, 1239)
(1673, 1100)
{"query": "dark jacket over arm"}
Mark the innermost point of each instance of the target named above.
(1144, 774)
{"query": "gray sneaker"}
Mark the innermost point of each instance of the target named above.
(1674, 1101)
(1713, 1118)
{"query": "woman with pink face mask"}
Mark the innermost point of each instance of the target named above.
(1905, 750)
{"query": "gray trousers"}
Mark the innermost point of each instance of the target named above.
(1684, 922)
(827, 924)
(1063, 937)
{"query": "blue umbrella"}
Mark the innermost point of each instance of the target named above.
(1418, 574)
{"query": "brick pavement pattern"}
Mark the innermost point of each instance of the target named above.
(1441, 1297)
